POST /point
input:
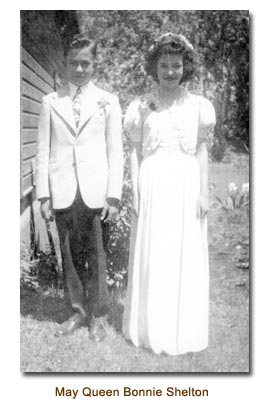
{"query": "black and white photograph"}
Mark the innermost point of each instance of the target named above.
(134, 191)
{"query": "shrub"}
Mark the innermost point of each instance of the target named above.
(39, 271)
(237, 197)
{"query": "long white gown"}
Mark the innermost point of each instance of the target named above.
(167, 301)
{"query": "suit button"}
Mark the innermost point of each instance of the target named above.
(74, 164)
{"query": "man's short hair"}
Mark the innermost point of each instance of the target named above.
(80, 41)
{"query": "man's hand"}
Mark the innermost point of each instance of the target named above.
(45, 209)
(202, 206)
(109, 212)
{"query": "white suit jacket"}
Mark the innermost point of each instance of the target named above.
(89, 156)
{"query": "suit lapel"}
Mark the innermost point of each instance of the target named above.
(89, 106)
(62, 106)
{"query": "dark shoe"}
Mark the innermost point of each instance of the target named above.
(69, 326)
(98, 328)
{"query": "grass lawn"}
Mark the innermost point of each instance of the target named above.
(228, 351)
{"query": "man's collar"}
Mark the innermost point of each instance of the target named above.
(73, 88)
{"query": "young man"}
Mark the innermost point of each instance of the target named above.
(79, 169)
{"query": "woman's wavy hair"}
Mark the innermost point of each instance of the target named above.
(171, 44)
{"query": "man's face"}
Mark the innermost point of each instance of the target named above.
(80, 66)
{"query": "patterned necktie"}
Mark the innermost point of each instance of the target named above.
(77, 105)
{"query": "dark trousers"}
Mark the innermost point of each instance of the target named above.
(83, 240)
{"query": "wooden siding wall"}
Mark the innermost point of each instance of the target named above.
(44, 33)
(35, 83)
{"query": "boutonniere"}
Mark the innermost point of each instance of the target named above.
(102, 103)
(151, 102)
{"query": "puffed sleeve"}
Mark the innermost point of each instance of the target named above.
(133, 121)
(207, 118)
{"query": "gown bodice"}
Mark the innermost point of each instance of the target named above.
(174, 129)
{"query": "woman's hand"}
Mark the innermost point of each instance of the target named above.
(202, 206)
(150, 144)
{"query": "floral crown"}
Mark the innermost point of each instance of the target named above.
(170, 37)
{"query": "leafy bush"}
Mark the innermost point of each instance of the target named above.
(237, 197)
(229, 225)
(221, 38)
(241, 257)
(39, 271)
(219, 143)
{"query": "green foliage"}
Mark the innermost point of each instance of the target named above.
(118, 248)
(219, 142)
(237, 197)
(221, 38)
(226, 56)
(39, 271)
(229, 225)
(238, 222)
(28, 276)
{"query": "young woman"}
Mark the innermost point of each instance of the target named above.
(167, 304)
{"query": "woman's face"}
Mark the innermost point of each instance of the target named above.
(170, 70)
